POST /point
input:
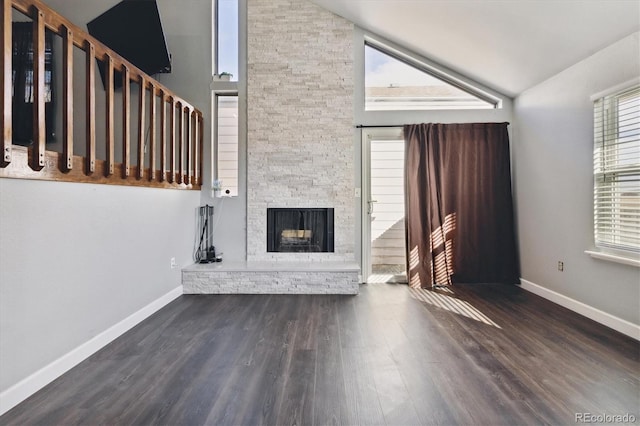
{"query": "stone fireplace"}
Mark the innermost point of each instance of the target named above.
(300, 116)
(299, 156)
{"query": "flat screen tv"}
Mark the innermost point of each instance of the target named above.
(133, 29)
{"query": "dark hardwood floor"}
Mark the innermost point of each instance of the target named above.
(474, 355)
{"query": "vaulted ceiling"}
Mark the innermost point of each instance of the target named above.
(508, 45)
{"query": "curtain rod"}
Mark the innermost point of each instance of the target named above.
(364, 126)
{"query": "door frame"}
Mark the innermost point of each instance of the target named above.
(369, 134)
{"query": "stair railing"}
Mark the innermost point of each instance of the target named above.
(180, 124)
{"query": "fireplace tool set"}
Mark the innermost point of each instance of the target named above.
(206, 252)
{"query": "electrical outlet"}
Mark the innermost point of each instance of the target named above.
(173, 263)
(560, 266)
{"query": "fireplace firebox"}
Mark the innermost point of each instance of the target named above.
(300, 230)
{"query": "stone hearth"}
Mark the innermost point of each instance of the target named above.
(271, 278)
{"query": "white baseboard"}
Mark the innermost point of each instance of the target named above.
(36, 381)
(623, 326)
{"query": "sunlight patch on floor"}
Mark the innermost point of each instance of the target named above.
(450, 304)
(383, 273)
(379, 278)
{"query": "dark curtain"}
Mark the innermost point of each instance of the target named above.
(459, 210)
(22, 78)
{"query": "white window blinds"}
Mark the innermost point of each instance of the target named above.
(617, 170)
(227, 143)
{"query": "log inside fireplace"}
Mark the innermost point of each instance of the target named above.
(291, 230)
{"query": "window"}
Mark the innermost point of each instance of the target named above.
(395, 83)
(227, 38)
(225, 92)
(617, 170)
(227, 143)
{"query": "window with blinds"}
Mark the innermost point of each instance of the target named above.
(617, 170)
(227, 143)
(225, 90)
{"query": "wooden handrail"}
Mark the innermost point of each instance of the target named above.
(66, 166)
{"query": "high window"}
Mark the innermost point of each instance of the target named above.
(225, 90)
(617, 170)
(393, 82)
(227, 143)
(227, 38)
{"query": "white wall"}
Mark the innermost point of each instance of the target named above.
(76, 259)
(553, 165)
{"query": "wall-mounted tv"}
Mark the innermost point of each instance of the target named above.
(133, 29)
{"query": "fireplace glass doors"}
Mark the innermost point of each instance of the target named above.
(300, 230)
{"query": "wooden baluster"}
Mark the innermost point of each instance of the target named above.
(6, 74)
(90, 156)
(188, 145)
(172, 141)
(67, 100)
(163, 132)
(36, 160)
(180, 142)
(109, 125)
(196, 154)
(201, 141)
(126, 122)
(152, 134)
(141, 114)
